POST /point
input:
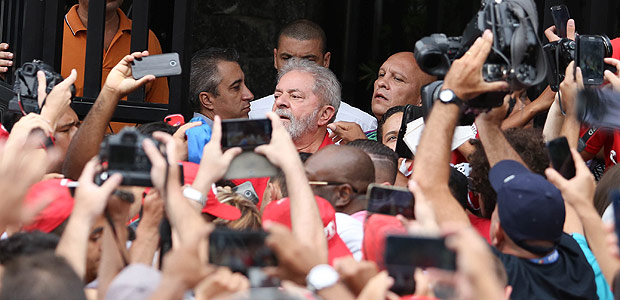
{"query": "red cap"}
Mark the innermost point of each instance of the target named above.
(57, 211)
(376, 228)
(213, 206)
(279, 211)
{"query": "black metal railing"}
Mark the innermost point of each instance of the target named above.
(34, 30)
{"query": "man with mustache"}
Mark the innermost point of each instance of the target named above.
(307, 98)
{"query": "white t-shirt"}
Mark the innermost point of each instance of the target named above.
(346, 113)
(351, 231)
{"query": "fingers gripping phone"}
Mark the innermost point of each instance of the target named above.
(560, 18)
(561, 157)
(247, 134)
(403, 254)
(390, 200)
(589, 57)
(160, 65)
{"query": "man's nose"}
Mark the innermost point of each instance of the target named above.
(247, 94)
(282, 102)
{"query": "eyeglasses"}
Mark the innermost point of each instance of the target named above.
(326, 183)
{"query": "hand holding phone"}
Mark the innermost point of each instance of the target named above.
(160, 65)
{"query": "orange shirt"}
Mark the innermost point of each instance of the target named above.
(74, 54)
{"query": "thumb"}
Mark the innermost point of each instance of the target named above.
(570, 29)
(555, 178)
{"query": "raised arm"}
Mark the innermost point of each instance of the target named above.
(523, 116)
(579, 193)
(433, 156)
(305, 218)
(85, 143)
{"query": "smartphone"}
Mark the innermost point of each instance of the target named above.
(390, 200)
(240, 250)
(614, 199)
(245, 133)
(404, 253)
(246, 190)
(589, 57)
(560, 17)
(561, 157)
(160, 65)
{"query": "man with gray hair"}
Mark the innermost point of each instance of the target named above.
(217, 85)
(307, 98)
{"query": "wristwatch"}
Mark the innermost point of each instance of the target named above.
(321, 277)
(194, 195)
(448, 96)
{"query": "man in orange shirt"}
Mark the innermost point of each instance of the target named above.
(116, 42)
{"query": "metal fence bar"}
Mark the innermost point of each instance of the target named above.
(181, 43)
(32, 34)
(52, 33)
(94, 48)
(139, 37)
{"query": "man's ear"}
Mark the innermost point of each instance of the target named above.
(206, 100)
(326, 58)
(326, 113)
(344, 195)
(275, 58)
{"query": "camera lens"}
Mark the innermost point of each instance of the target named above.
(247, 194)
(173, 63)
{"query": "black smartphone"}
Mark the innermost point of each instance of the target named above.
(390, 200)
(404, 253)
(560, 17)
(589, 57)
(614, 199)
(561, 157)
(160, 65)
(240, 250)
(245, 133)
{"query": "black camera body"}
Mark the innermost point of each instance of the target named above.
(559, 54)
(123, 153)
(26, 87)
(516, 57)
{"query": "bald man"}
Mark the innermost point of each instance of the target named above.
(383, 158)
(398, 83)
(341, 174)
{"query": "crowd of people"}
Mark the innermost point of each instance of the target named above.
(518, 228)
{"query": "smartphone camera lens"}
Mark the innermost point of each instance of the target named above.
(173, 63)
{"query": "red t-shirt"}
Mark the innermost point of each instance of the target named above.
(606, 139)
(482, 225)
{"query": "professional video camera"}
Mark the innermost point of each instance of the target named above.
(26, 87)
(123, 153)
(516, 57)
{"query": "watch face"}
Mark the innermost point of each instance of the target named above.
(446, 95)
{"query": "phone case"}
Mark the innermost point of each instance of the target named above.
(160, 65)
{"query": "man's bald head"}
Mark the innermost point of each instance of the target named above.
(384, 159)
(341, 165)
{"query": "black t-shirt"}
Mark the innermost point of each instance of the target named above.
(570, 277)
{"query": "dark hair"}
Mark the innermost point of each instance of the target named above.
(204, 76)
(527, 142)
(458, 186)
(608, 182)
(304, 30)
(149, 128)
(391, 111)
(383, 158)
(26, 243)
(41, 276)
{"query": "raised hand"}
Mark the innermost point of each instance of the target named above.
(120, 81)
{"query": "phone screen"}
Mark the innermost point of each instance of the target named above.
(240, 250)
(561, 157)
(591, 55)
(560, 17)
(389, 200)
(403, 254)
(247, 134)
